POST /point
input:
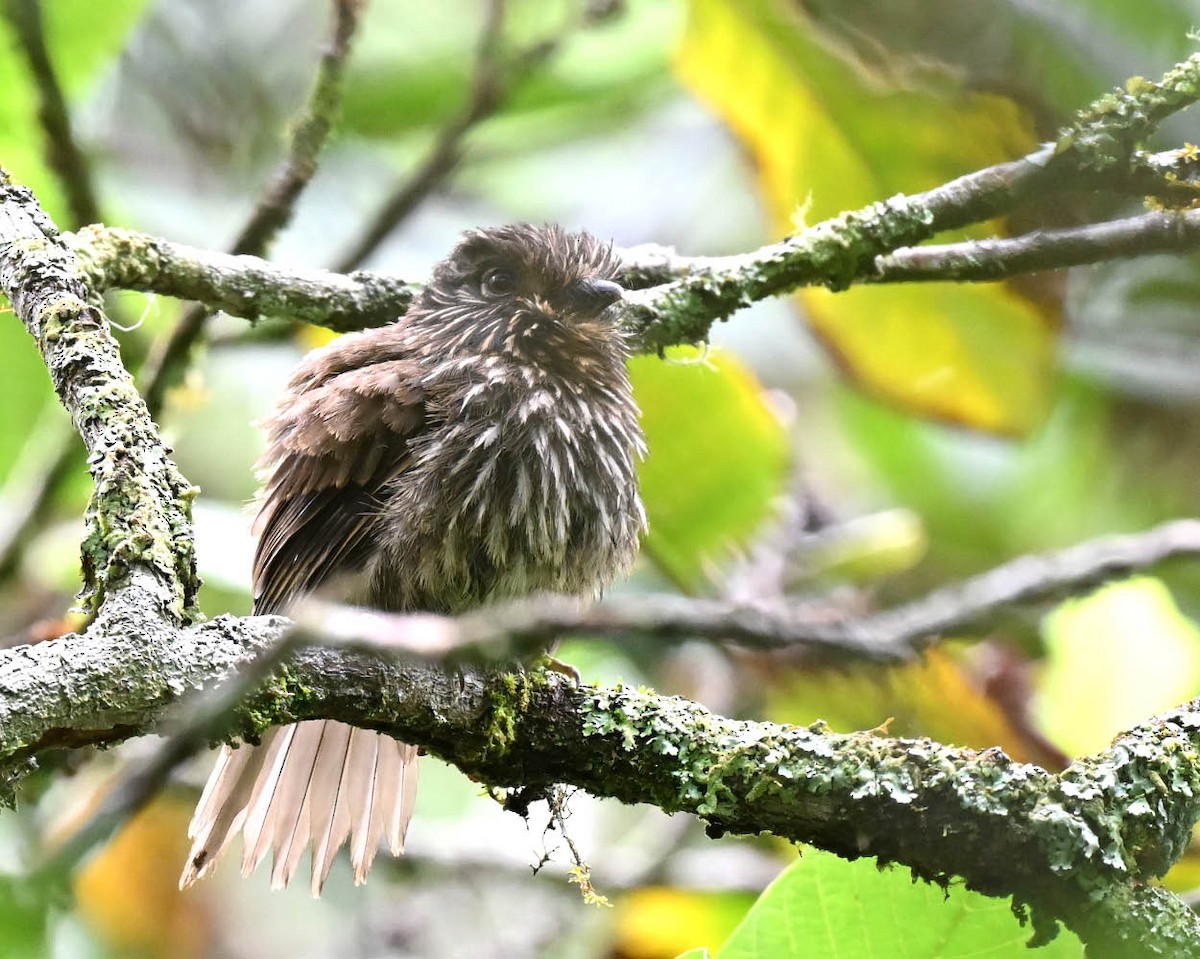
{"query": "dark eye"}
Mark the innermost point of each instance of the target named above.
(498, 282)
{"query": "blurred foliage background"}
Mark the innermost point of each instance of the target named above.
(890, 438)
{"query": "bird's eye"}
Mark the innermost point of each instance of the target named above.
(498, 282)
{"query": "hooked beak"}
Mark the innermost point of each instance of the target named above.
(593, 297)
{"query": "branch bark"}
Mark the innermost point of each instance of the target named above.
(140, 512)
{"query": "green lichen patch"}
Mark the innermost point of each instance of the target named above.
(510, 697)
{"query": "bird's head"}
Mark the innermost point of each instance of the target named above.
(538, 293)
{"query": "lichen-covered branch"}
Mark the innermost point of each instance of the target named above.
(244, 286)
(140, 511)
(1107, 132)
(660, 307)
(1076, 847)
(1098, 146)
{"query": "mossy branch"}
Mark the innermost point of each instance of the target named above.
(677, 299)
(140, 510)
(1077, 847)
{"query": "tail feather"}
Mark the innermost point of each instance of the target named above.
(389, 778)
(299, 784)
(327, 843)
(397, 775)
(221, 810)
(256, 840)
(313, 784)
(285, 798)
(364, 751)
(408, 798)
(329, 777)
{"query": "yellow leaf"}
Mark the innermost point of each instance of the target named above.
(823, 129)
(1114, 659)
(658, 922)
(311, 337)
(981, 357)
(129, 893)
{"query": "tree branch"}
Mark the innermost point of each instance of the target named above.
(998, 259)
(252, 288)
(1075, 847)
(244, 285)
(522, 629)
(140, 512)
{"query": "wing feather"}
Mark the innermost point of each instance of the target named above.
(333, 450)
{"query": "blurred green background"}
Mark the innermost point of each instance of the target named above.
(892, 438)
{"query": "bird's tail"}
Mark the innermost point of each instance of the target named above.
(314, 783)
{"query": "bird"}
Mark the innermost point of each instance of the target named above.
(482, 447)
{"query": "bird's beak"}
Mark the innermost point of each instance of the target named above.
(595, 296)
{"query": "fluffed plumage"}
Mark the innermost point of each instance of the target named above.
(480, 448)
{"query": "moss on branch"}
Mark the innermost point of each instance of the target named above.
(1077, 847)
(140, 510)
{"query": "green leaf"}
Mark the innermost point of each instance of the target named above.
(27, 390)
(700, 953)
(84, 36)
(718, 457)
(822, 907)
(1114, 659)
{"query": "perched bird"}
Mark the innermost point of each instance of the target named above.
(480, 448)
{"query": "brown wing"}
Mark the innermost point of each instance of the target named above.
(335, 443)
(340, 436)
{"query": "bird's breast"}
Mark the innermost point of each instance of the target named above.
(523, 484)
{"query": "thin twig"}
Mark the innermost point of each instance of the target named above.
(275, 206)
(493, 80)
(62, 151)
(527, 626)
(997, 259)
